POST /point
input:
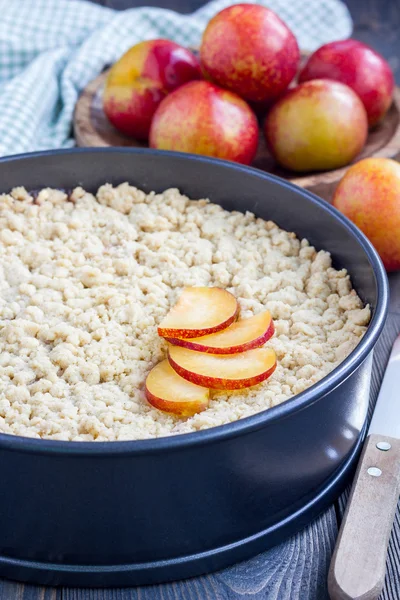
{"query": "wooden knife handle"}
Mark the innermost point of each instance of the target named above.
(357, 570)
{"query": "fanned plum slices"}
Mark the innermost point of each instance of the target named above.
(241, 336)
(223, 372)
(199, 311)
(167, 391)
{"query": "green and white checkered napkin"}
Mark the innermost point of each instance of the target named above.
(50, 49)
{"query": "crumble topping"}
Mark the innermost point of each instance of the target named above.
(85, 280)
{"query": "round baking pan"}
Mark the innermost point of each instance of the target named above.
(136, 512)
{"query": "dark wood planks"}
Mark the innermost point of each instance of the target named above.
(296, 569)
(18, 591)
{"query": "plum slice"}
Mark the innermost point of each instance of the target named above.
(225, 371)
(242, 335)
(199, 311)
(169, 392)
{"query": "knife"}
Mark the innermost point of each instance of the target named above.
(357, 570)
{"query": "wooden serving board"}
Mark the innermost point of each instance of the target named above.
(92, 128)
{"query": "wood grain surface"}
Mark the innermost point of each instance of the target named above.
(297, 569)
(276, 574)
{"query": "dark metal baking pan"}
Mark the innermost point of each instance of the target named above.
(126, 513)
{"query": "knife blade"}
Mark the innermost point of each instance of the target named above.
(358, 565)
(386, 417)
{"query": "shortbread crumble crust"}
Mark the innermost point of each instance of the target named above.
(85, 281)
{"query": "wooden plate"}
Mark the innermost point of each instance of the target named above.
(92, 128)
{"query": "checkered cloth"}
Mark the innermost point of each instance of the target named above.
(50, 49)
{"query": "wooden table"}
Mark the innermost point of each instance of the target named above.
(297, 569)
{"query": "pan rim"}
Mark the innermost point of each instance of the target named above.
(248, 424)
